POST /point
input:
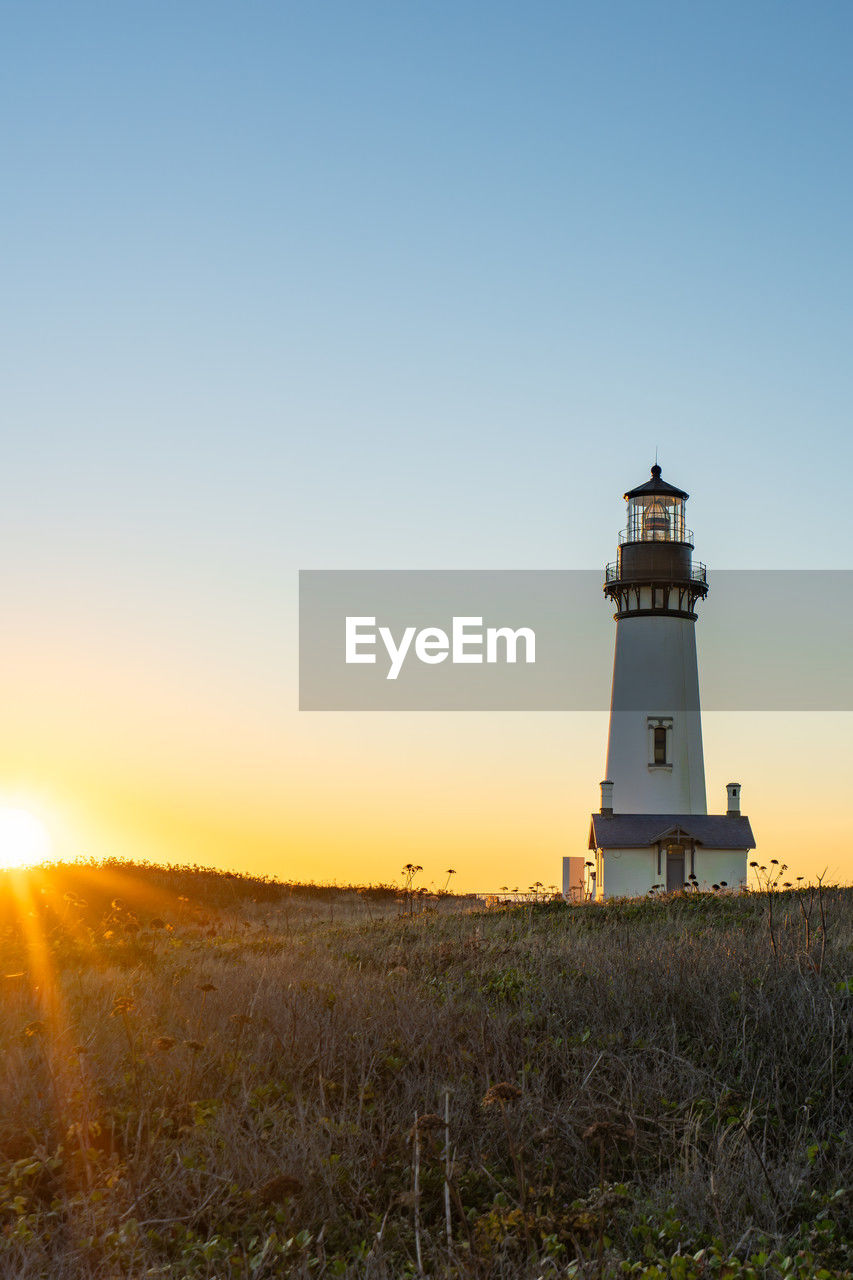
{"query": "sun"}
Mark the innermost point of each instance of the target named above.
(24, 839)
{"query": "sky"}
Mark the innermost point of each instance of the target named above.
(365, 285)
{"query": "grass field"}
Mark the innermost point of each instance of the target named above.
(211, 1076)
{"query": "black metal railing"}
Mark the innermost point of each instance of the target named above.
(698, 573)
(678, 533)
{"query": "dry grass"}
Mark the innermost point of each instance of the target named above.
(208, 1080)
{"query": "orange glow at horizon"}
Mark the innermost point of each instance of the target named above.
(501, 798)
(192, 759)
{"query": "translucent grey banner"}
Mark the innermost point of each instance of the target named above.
(543, 640)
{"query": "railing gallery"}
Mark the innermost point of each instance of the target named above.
(674, 533)
(698, 572)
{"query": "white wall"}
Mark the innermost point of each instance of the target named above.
(655, 673)
(630, 873)
(714, 865)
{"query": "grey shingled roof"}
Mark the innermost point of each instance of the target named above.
(636, 830)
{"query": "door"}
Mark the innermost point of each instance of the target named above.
(674, 867)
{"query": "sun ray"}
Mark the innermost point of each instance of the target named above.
(30, 900)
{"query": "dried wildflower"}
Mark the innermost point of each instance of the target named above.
(165, 1043)
(118, 904)
(427, 1122)
(195, 1045)
(205, 987)
(278, 1188)
(34, 1028)
(602, 1130)
(122, 1005)
(503, 1092)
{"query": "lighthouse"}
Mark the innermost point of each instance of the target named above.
(653, 829)
(654, 747)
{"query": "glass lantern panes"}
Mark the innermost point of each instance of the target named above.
(656, 518)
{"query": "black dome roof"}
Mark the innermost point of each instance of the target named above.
(656, 485)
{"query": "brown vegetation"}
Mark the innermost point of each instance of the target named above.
(208, 1076)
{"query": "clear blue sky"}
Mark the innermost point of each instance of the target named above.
(424, 283)
(408, 284)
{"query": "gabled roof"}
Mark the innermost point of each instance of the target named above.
(638, 830)
(656, 485)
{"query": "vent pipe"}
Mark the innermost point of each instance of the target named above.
(607, 799)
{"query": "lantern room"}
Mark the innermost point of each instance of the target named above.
(656, 512)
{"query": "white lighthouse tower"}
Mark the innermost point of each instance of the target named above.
(654, 749)
(653, 828)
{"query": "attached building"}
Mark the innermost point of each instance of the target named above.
(633, 852)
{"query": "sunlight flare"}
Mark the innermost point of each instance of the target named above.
(24, 838)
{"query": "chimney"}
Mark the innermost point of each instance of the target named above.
(607, 799)
(732, 799)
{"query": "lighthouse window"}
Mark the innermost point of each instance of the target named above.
(660, 746)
